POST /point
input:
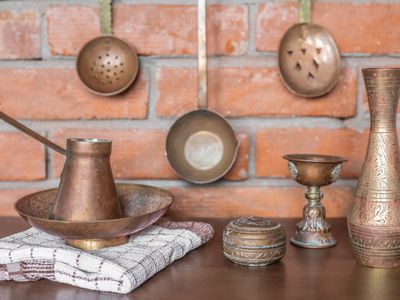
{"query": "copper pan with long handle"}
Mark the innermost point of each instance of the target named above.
(201, 146)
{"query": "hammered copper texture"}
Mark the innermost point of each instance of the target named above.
(309, 60)
(374, 221)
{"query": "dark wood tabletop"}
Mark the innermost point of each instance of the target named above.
(206, 274)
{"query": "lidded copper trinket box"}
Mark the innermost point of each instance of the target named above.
(254, 241)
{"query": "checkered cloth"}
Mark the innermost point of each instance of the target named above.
(33, 254)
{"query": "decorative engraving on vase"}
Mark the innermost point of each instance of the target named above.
(374, 220)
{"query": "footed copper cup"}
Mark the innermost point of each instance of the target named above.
(314, 171)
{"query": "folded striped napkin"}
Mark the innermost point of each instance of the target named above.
(33, 254)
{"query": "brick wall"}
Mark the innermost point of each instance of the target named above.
(38, 84)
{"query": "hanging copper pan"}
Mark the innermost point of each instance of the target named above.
(309, 60)
(107, 65)
(201, 145)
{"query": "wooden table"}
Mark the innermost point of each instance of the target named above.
(206, 274)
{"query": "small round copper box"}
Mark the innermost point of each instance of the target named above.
(254, 241)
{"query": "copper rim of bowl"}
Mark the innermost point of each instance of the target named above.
(315, 158)
(381, 68)
(172, 197)
(374, 71)
(89, 140)
(127, 85)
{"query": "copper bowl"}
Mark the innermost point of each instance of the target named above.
(141, 206)
(201, 146)
(314, 169)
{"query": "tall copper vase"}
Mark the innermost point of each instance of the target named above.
(374, 221)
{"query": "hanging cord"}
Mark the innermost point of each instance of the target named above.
(202, 55)
(305, 11)
(105, 16)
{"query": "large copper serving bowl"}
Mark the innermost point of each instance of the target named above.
(141, 206)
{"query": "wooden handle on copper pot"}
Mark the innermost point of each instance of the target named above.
(202, 54)
(32, 133)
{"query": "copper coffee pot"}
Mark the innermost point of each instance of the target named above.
(87, 190)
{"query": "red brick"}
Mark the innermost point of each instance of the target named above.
(70, 27)
(8, 199)
(239, 92)
(272, 144)
(135, 154)
(140, 153)
(58, 94)
(21, 157)
(356, 27)
(19, 32)
(277, 202)
(151, 29)
(172, 29)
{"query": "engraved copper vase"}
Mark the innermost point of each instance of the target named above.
(374, 220)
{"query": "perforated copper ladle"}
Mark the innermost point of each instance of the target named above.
(309, 60)
(107, 65)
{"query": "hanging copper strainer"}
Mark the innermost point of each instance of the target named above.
(309, 60)
(107, 65)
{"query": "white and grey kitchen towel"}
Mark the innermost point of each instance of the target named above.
(33, 255)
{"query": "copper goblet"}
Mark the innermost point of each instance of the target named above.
(314, 171)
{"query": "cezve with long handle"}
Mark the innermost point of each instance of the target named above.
(31, 133)
(87, 190)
